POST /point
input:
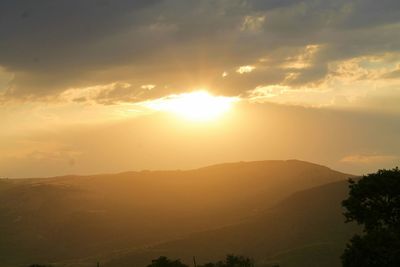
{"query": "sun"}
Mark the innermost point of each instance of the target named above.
(194, 106)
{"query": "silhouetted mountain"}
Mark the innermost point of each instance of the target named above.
(306, 229)
(74, 217)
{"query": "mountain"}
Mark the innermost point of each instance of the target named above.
(68, 218)
(306, 229)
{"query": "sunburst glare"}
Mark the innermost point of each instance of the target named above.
(195, 106)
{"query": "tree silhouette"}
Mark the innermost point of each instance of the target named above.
(232, 261)
(165, 262)
(374, 203)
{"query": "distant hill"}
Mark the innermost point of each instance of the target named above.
(75, 217)
(307, 229)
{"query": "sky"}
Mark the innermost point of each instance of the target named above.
(102, 86)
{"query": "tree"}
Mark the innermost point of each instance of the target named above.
(165, 262)
(232, 261)
(374, 203)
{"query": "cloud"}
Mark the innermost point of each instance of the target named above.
(394, 74)
(245, 69)
(253, 23)
(303, 59)
(368, 158)
(285, 95)
(104, 94)
(50, 47)
(148, 86)
(354, 83)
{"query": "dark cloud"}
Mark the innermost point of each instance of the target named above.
(271, 4)
(370, 13)
(34, 33)
(395, 74)
(53, 45)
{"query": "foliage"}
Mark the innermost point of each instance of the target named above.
(374, 202)
(376, 249)
(165, 262)
(232, 261)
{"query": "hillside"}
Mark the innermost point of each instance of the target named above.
(74, 217)
(306, 229)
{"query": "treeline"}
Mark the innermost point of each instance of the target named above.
(230, 261)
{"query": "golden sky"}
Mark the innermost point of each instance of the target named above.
(108, 86)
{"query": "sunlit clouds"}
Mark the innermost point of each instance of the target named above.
(368, 158)
(148, 86)
(92, 93)
(245, 69)
(276, 74)
(303, 59)
(253, 23)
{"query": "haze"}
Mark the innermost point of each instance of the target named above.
(108, 86)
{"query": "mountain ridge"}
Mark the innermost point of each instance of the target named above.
(70, 217)
(206, 167)
(313, 234)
